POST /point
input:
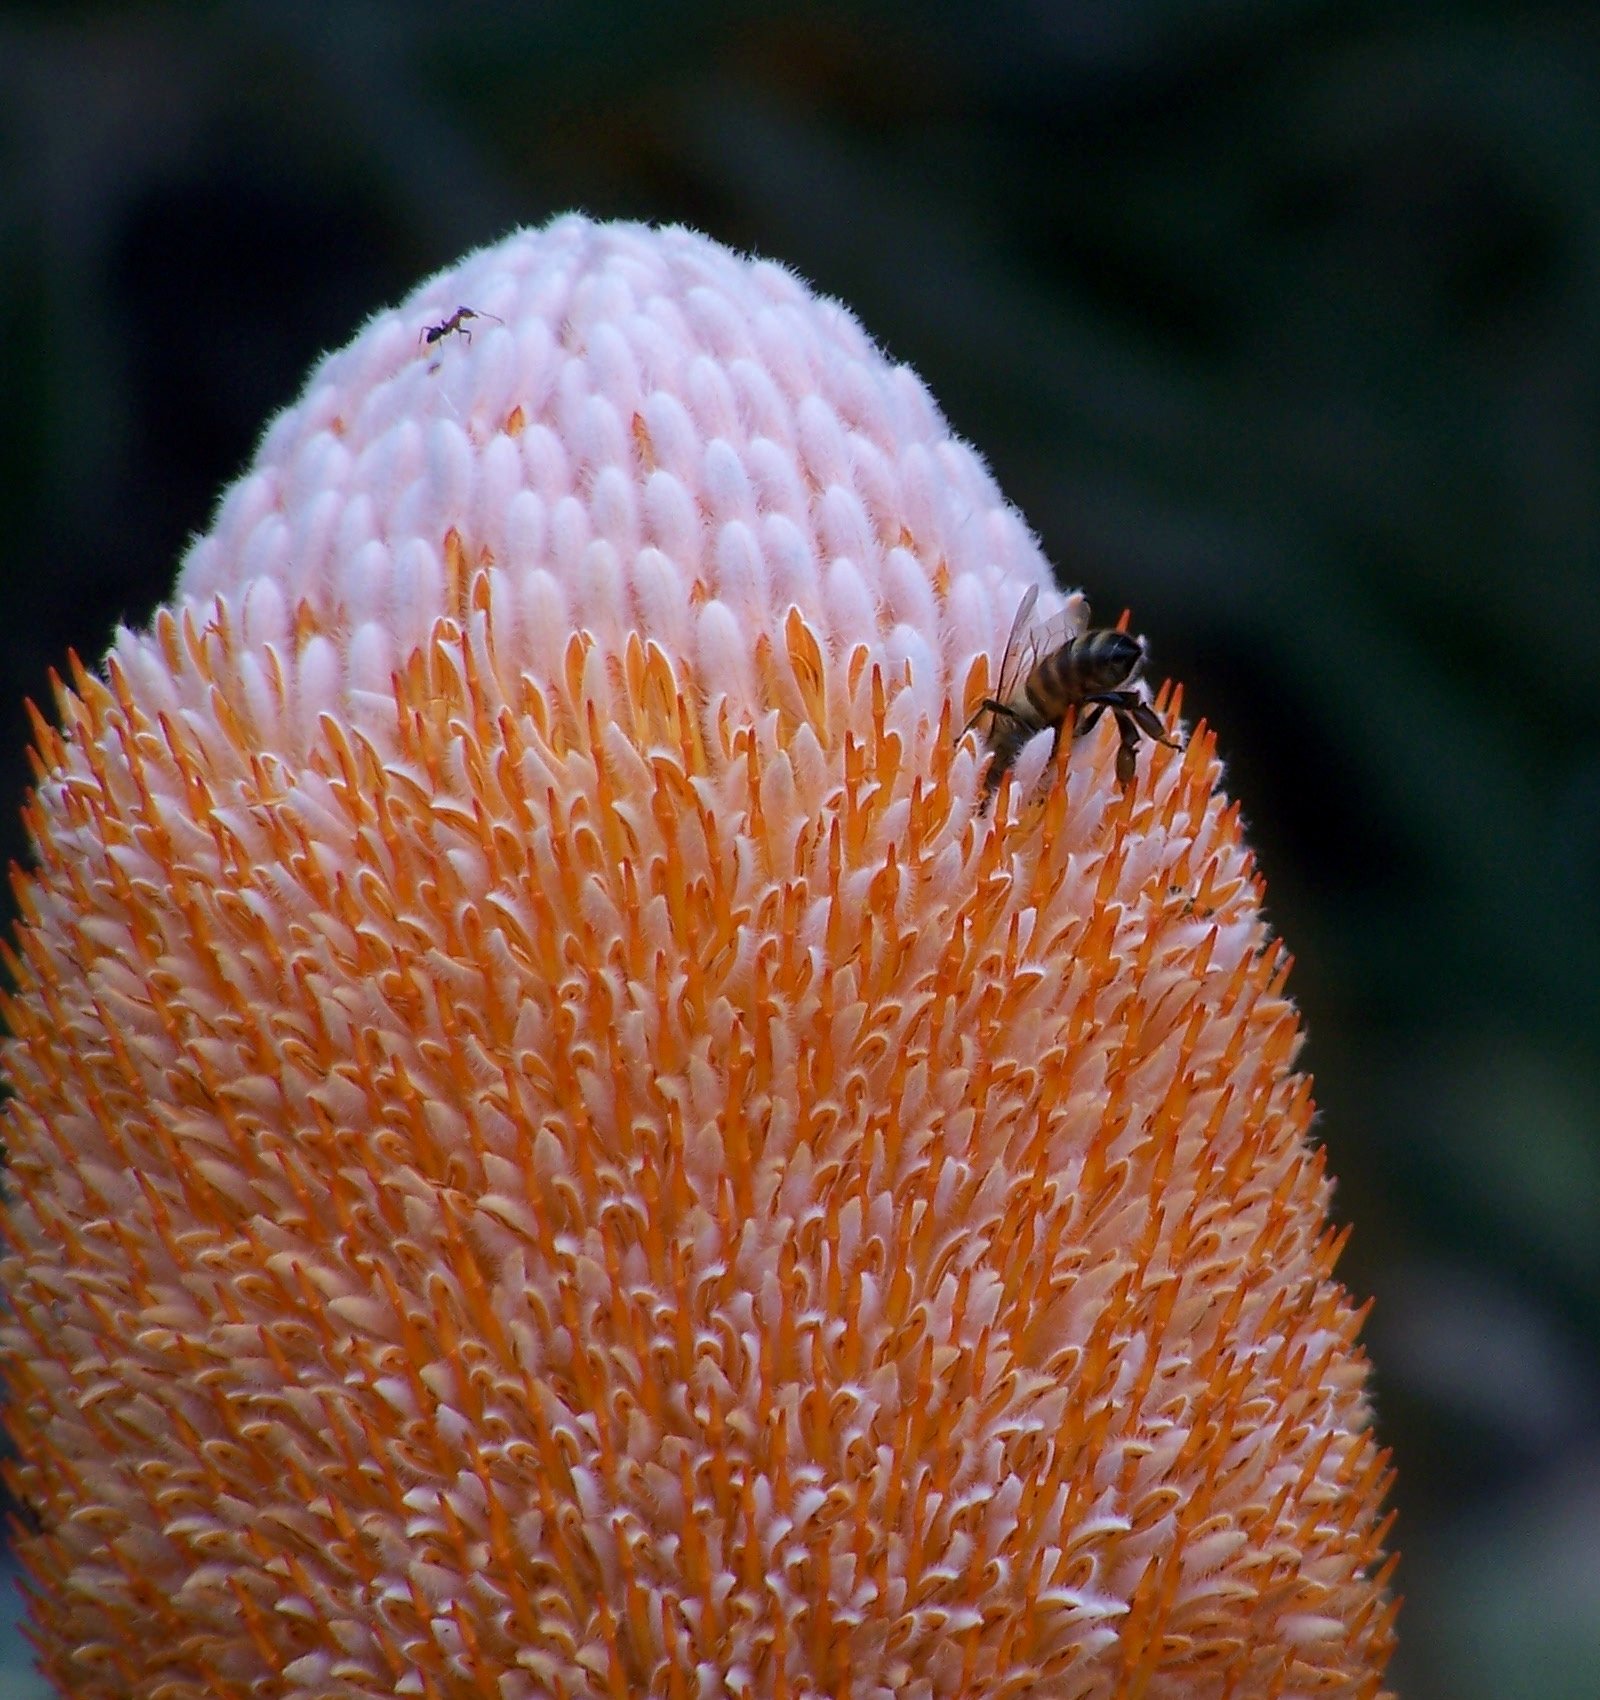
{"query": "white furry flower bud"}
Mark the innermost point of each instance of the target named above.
(555, 1152)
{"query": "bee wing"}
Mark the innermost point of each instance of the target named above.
(1029, 641)
(1017, 650)
(1068, 622)
(1017, 658)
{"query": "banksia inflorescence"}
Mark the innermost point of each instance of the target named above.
(553, 1151)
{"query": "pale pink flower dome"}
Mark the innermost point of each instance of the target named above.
(661, 438)
(557, 1155)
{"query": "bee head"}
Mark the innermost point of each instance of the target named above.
(1111, 659)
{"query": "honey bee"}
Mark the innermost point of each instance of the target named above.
(1055, 669)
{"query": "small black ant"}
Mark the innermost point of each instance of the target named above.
(456, 322)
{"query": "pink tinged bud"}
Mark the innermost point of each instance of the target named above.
(555, 1153)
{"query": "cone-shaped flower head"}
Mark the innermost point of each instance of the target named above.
(554, 1150)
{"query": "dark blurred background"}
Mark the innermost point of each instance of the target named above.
(1281, 323)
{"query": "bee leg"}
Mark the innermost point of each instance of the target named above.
(989, 706)
(1150, 723)
(1127, 761)
(993, 777)
(983, 708)
(1127, 747)
(1073, 717)
(1092, 718)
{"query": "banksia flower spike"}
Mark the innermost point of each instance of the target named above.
(553, 1152)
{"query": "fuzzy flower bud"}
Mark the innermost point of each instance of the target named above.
(555, 1151)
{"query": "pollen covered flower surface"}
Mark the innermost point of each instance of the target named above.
(553, 1151)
